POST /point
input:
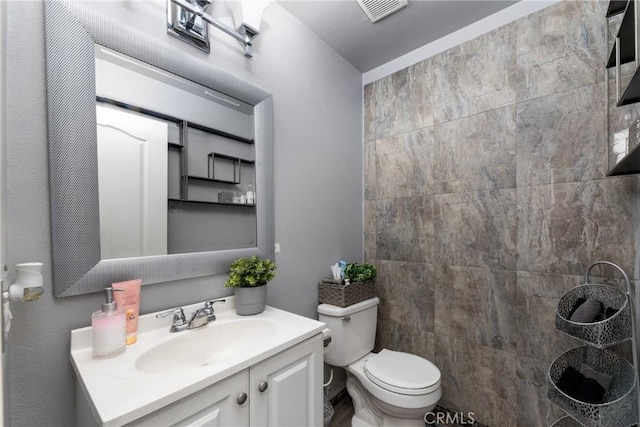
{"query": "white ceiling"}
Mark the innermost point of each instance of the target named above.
(344, 26)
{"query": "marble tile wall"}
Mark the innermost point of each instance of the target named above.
(486, 199)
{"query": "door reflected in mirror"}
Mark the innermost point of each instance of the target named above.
(175, 163)
(132, 183)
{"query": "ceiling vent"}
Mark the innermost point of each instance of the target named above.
(378, 9)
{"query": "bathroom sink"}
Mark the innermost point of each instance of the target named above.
(162, 368)
(215, 342)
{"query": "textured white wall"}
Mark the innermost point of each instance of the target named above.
(3, 204)
(318, 185)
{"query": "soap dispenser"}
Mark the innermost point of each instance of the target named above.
(108, 327)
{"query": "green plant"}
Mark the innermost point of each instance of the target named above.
(360, 272)
(250, 272)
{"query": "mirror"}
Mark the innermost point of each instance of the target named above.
(176, 162)
(72, 33)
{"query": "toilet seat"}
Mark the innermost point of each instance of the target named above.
(402, 373)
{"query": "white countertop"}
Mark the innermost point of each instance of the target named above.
(119, 393)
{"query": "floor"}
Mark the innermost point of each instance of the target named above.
(343, 411)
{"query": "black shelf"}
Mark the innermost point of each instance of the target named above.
(626, 36)
(626, 33)
(203, 202)
(174, 146)
(206, 179)
(631, 93)
(237, 167)
(629, 164)
(222, 133)
(176, 120)
(616, 7)
(227, 157)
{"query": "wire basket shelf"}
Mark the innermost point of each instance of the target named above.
(619, 407)
(602, 334)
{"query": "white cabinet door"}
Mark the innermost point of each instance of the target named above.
(286, 390)
(216, 406)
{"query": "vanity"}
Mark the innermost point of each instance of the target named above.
(256, 370)
(214, 133)
(194, 137)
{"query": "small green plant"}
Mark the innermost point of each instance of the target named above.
(250, 272)
(360, 272)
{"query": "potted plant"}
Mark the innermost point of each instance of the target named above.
(248, 277)
(355, 272)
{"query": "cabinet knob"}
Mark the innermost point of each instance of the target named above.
(263, 386)
(242, 397)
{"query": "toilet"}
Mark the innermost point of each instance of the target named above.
(389, 388)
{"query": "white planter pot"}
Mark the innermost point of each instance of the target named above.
(250, 301)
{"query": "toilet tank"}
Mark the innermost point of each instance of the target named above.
(353, 330)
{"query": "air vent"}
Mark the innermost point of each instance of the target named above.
(378, 9)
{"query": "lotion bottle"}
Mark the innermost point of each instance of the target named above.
(128, 300)
(108, 327)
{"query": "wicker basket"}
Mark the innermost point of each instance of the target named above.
(605, 333)
(619, 407)
(345, 295)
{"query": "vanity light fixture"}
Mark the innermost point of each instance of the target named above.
(189, 21)
(247, 15)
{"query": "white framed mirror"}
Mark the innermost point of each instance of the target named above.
(79, 266)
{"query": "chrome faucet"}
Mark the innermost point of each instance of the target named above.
(208, 309)
(179, 322)
(199, 318)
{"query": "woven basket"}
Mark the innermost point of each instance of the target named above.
(605, 333)
(345, 295)
(619, 407)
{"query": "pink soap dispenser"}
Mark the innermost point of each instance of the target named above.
(108, 327)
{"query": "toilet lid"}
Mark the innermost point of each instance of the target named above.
(402, 372)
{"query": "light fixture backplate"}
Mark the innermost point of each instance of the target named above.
(197, 35)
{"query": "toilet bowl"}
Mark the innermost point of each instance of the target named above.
(389, 388)
(396, 388)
